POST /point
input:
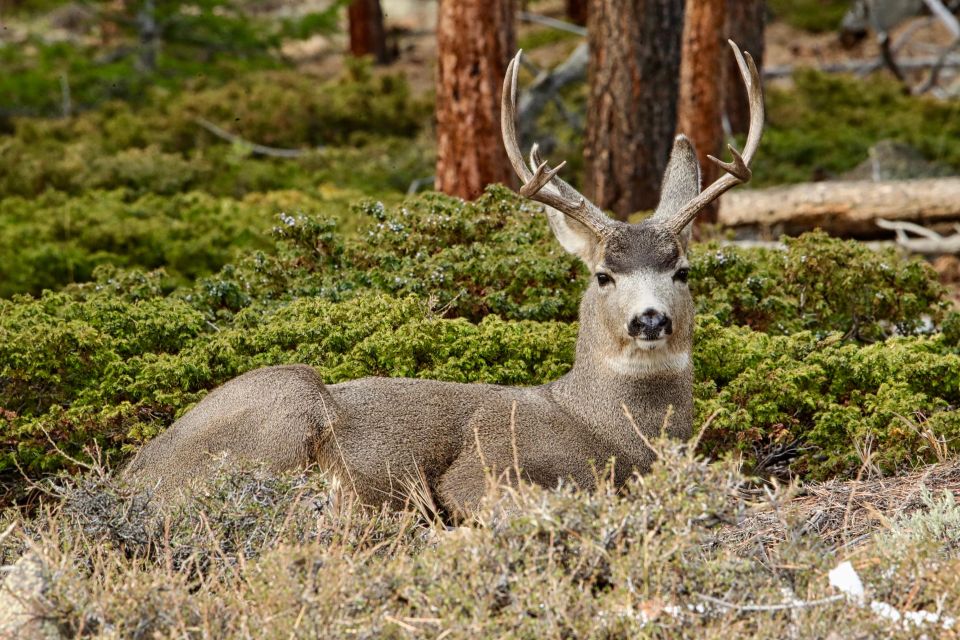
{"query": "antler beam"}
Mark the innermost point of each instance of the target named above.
(541, 182)
(738, 171)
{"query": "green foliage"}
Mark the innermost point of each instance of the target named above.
(214, 39)
(55, 239)
(826, 124)
(497, 255)
(819, 405)
(363, 122)
(819, 283)
(810, 15)
(91, 365)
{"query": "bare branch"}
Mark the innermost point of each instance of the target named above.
(254, 147)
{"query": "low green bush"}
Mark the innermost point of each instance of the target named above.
(497, 255)
(825, 125)
(810, 15)
(55, 239)
(92, 366)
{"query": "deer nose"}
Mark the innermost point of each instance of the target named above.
(649, 324)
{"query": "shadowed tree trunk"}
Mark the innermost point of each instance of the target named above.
(700, 110)
(746, 20)
(577, 11)
(632, 115)
(367, 35)
(475, 40)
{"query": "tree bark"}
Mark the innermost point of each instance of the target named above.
(746, 20)
(367, 35)
(700, 108)
(577, 11)
(475, 40)
(841, 208)
(632, 101)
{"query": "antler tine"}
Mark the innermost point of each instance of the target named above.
(738, 171)
(540, 181)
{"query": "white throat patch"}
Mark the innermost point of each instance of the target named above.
(638, 361)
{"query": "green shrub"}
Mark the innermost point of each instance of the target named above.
(55, 239)
(497, 255)
(811, 15)
(91, 366)
(818, 283)
(827, 123)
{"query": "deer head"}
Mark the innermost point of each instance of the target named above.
(637, 310)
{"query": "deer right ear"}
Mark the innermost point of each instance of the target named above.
(573, 236)
(681, 182)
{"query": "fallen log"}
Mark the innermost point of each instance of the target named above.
(840, 208)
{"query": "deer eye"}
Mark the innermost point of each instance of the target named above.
(604, 279)
(681, 275)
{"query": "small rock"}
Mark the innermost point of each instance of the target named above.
(22, 601)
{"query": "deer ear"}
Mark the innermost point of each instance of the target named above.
(573, 236)
(681, 182)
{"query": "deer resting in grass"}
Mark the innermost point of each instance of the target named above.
(378, 434)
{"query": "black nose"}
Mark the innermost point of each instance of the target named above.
(649, 324)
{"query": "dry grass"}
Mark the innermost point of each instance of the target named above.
(672, 554)
(843, 513)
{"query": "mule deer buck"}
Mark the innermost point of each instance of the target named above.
(376, 434)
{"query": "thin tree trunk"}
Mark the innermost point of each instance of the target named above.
(746, 20)
(632, 102)
(149, 36)
(475, 39)
(700, 110)
(577, 11)
(367, 35)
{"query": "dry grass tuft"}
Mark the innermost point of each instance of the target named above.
(679, 552)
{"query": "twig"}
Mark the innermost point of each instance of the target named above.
(547, 21)
(253, 146)
(938, 9)
(416, 185)
(785, 606)
(930, 242)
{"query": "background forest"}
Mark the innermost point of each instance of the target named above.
(191, 190)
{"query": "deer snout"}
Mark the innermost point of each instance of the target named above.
(651, 325)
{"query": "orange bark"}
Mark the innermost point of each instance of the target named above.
(700, 108)
(475, 40)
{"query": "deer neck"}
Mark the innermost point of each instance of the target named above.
(650, 384)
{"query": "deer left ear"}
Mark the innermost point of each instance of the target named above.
(681, 183)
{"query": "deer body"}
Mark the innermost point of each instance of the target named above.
(382, 436)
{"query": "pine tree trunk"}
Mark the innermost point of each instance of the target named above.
(700, 110)
(367, 35)
(475, 40)
(746, 20)
(577, 11)
(632, 102)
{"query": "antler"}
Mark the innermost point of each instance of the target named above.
(540, 181)
(738, 171)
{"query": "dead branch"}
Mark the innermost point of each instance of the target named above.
(929, 241)
(263, 150)
(548, 84)
(547, 21)
(841, 208)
